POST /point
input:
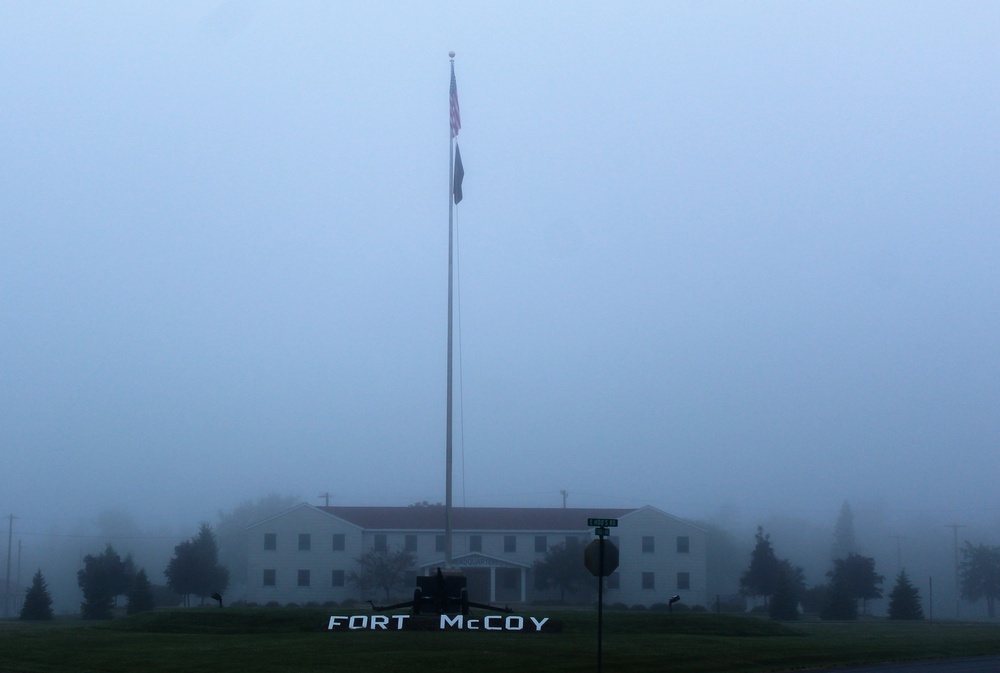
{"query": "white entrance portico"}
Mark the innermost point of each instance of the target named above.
(504, 580)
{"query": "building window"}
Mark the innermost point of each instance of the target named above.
(509, 544)
(269, 577)
(305, 541)
(683, 581)
(381, 543)
(303, 578)
(338, 578)
(648, 545)
(270, 541)
(614, 581)
(649, 580)
(339, 542)
(476, 543)
(541, 544)
(439, 543)
(683, 544)
(410, 543)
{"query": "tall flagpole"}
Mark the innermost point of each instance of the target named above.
(453, 131)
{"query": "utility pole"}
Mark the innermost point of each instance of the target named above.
(6, 584)
(565, 494)
(17, 602)
(326, 497)
(958, 583)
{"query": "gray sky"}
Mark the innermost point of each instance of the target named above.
(711, 254)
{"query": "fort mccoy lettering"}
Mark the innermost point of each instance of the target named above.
(510, 623)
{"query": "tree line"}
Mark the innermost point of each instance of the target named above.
(193, 570)
(853, 580)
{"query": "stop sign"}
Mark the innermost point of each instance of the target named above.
(592, 557)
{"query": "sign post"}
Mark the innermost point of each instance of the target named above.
(605, 563)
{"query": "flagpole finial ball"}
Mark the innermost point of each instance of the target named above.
(451, 54)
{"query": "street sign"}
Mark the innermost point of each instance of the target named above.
(602, 532)
(592, 557)
(603, 523)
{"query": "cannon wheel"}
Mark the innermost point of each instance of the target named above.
(418, 598)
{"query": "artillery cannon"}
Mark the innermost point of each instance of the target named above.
(444, 593)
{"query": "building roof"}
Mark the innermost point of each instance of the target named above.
(473, 518)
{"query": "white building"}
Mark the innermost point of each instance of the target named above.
(307, 553)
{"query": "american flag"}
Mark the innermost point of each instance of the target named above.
(456, 117)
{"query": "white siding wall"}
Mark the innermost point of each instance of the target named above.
(287, 559)
(664, 561)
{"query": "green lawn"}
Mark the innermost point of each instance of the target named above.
(295, 640)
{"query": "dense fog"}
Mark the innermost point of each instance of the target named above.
(734, 261)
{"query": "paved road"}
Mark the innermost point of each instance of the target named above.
(974, 665)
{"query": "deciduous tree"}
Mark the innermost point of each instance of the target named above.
(841, 602)
(102, 578)
(980, 574)
(852, 579)
(381, 569)
(562, 568)
(790, 586)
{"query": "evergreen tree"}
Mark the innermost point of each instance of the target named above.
(194, 568)
(140, 597)
(37, 601)
(844, 543)
(761, 578)
(904, 599)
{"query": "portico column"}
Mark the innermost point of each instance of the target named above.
(493, 584)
